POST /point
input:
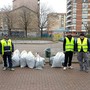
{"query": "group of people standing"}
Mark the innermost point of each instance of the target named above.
(71, 45)
(80, 46)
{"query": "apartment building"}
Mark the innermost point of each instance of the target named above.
(56, 25)
(56, 21)
(78, 15)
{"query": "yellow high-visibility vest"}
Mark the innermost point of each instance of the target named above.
(69, 44)
(4, 43)
(84, 45)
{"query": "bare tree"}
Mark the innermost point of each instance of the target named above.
(7, 18)
(44, 11)
(25, 18)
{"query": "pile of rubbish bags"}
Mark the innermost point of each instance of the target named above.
(25, 58)
(30, 60)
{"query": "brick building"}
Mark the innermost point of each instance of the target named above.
(78, 15)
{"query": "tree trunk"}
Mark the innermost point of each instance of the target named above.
(41, 33)
(9, 31)
(25, 31)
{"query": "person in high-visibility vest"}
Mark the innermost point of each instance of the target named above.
(6, 50)
(82, 45)
(68, 48)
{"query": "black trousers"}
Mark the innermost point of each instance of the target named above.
(68, 58)
(7, 59)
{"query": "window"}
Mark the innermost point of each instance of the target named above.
(84, 16)
(74, 10)
(74, 27)
(85, 5)
(74, 5)
(84, 1)
(74, 1)
(83, 28)
(74, 16)
(74, 21)
(84, 11)
(85, 23)
(84, 20)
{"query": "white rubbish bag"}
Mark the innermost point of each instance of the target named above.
(58, 59)
(30, 60)
(16, 58)
(23, 59)
(40, 61)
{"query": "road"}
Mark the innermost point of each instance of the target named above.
(39, 47)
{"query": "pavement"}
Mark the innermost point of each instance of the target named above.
(46, 79)
(31, 42)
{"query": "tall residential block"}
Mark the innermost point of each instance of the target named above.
(78, 15)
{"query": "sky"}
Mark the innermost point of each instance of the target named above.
(5, 3)
(58, 6)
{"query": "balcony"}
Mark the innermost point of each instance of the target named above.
(68, 16)
(69, 6)
(68, 26)
(68, 1)
(68, 21)
(69, 11)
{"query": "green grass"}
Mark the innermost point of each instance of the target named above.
(29, 38)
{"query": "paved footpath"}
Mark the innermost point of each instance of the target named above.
(46, 79)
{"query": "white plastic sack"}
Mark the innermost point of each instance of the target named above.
(16, 58)
(58, 59)
(39, 62)
(23, 59)
(30, 60)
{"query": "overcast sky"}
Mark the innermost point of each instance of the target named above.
(57, 5)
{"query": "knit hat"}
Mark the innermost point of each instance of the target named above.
(82, 34)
